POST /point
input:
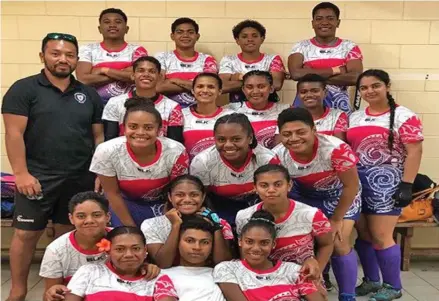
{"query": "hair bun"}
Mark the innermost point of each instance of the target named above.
(138, 101)
(263, 216)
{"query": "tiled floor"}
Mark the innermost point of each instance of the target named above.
(421, 283)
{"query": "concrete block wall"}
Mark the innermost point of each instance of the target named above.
(401, 37)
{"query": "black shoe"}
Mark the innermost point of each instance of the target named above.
(328, 284)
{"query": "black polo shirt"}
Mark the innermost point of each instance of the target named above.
(58, 137)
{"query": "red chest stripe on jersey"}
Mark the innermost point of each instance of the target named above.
(232, 190)
(116, 296)
(293, 241)
(274, 292)
(183, 75)
(143, 188)
(75, 244)
(247, 161)
(114, 65)
(324, 63)
(156, 157)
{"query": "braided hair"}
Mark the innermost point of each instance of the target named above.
(261, 219)
(243, 121)
(273, 97)
(138, 103)
(385, 78)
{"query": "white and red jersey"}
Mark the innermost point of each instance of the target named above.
(99, 56)
(97, 282)
(264, 122)
(174, 66)
(198, 129)
(368, 135)
(223, 179)
(114, 158)
(283, 282)
(318, 56)
(317, 179)
(295, 231)
(169, 110)
(157, 229)
(231, 64)
(63, 257)
(332, 122)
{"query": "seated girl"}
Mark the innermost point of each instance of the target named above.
(257, 278)
(120, 277)
(186, 197)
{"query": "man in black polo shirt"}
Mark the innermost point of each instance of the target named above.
(53, 123)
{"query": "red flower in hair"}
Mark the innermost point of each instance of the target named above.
(104, 245)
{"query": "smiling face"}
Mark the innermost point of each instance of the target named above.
(249, 40)
(185, 36)
(298, 137)
(206, 90)
(257, 90)
(113, 27)
(127, 253)
(256, 245)
(232, 142)
(146, 75)
(141, 129)
(312, 94)
(195, 247)
(89, 219)
(325, 23)
(60, 58)
(272, 187)
(373, 90)
(186, 197)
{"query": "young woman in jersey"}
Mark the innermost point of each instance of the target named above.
(227, 168)
(89, 213)
(249, 35)
(259, 107)
(325, 176)
(134, 169)
(297, 224)
(146, 76)
(186, 196)
(199, 119)
(339, 61)
(256, 276)
(387, 138)
(120, 277)
(193, 276)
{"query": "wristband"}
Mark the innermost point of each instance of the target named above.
(213, 217)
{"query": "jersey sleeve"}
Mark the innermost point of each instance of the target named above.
(161, 58)
(275, 160)
(102, 164)
(199, 169)
(240, 222)
(320, 224)
(305, 286)
(411, 131)
(226, 66)
(139, 52)
(111, 110)
(17, 100)
(341, 125)
(210, 65)
(164, 287)
(176, 117)
(51, 265)
(225, 273)
(181, 165)
(80, 281)
(297, 48)
(227, 230)
(85, 54)
(354, 54)
(277, 64)
(343, 158)
(151, 232)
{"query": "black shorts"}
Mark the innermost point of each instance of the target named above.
(57, 191)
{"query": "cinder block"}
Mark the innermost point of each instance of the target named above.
(75, 8)
(287, 30)
(419, 56)
(380, 56)
(421, 10)
(355, 30)
(155, 29)
(381, 10)
(289, 85)
(270, 9)
(6, 166)
(36, 27)
(30, 69)
(214, 49)
(231, 48)
(419, 102)
(434, 33)
(9, 27)
(432, 83)
(3, 145)
(400, 32)
(20, 52)
(408, 79)
(23, 8)
(431, 145)
(140, 8)
(429, 123)
(195, 9)
(10, 74)
(216, 29)
(89, 29)
(288, 96)
(153, 47)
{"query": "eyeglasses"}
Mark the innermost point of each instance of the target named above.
(62, 36)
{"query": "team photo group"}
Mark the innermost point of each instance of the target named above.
(158, 189)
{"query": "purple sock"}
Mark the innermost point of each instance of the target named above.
(345, 270)
(327, 268)
(368, 259)
(390, 260)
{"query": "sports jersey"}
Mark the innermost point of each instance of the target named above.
(157, 229)
(295, 231)
(379, 169)
(264, 122)
(97, 282)
(169, 110)
(63, 257)
(319, 56)
(231, 188)
(198, 129)
(99, 56)
(316, 182)
(201, 286)
(283, 282)
(332, 122)
(174, 66)
(231, 64)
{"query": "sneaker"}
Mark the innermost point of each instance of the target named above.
(328, 284)
(366, 287)
(346, 297)
(386, 293)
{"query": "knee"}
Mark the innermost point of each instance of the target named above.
(27, 237)
(381, 239)
(342, 248)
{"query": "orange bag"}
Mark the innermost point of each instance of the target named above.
(420, 208)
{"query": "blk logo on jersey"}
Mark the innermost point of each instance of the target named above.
(80, 97)
(185, 65)
(237, 175)
(202, 121)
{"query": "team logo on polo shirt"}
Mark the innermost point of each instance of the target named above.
(80, 97)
